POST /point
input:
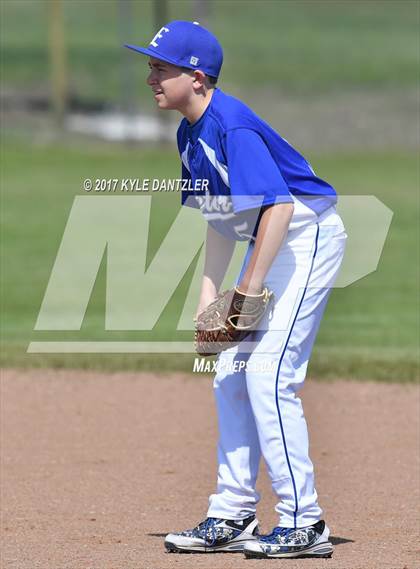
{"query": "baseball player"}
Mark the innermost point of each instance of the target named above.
(263, 191)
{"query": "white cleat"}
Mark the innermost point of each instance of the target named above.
(311, 541)
(214, 535)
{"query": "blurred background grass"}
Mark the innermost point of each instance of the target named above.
(296, 62)
(297, 46)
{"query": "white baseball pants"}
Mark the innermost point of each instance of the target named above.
(259, 412)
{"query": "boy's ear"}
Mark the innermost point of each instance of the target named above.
(199, 76)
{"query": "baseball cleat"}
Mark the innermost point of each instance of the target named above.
(214, 535)
(311, 541)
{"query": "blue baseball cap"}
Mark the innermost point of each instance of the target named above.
(186, 44)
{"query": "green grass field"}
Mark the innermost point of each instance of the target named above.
(370, 330)
(298, 46)
(301, 49)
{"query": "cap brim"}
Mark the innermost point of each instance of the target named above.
(143, 50)
(150, 53)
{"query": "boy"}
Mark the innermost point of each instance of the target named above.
(261, 190)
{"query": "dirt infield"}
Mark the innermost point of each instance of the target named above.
(96, 469)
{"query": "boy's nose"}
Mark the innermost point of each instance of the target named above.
(151, 79)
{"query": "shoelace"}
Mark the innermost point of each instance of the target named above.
(277, 531)
(207, 525)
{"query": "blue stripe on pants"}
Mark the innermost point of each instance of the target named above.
(278, 375)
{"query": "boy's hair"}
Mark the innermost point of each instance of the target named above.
(212, 80)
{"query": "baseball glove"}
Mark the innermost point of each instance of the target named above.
(228, 320)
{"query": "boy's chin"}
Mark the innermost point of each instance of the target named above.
(165, 106)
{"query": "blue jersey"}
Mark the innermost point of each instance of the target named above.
(248, 165)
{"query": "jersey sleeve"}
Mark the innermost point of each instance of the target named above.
(187, 196)
(255, 179)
